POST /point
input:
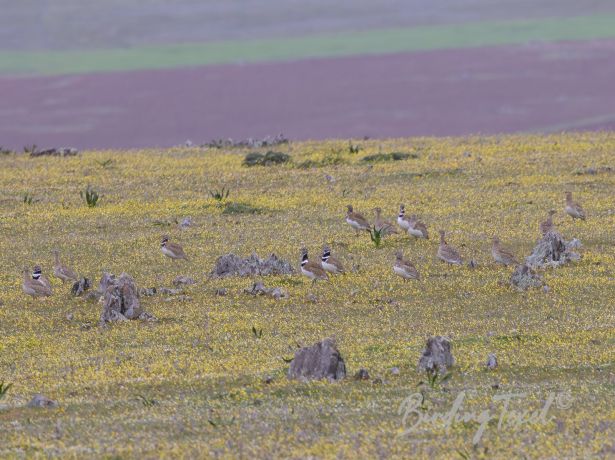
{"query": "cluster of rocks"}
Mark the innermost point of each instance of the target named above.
(324, 361)
(121, 299)
(551, 251)
(233, 265)
(54, 152)
(258, 288)
(268, 141)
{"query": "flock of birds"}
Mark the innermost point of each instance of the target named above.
(320, 270)
(37, 285)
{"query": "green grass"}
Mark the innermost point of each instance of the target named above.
(377, 41)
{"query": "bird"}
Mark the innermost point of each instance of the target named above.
(329, 263)
(405, 268)
(37, 274)
(548, 226)
(417, 228)
(448, 253)
(573, 209)
(34, 286)
(356, 220)
(502, 255)
(383, 226)
(62, 271)
(313, 270)
(402, 220)
(172, 250)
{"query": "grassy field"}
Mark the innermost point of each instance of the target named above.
(193, 383)
(345, 43)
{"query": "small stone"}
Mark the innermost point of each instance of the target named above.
(472, 264)
(377, 381)
(70, 316)
(80, 287)
(147, 292)
(362, 374)
(395, 370)
(492, 361)
(221, 292)
(312, 298)
(268, 379)
(168, 291)
(495, 386)
(546, 289)
(179, 298)
(183, 281)
(42, 401)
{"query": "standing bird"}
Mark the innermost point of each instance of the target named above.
(405, 268)
(383, 226)
(356, 220)
(501, 255)
(313, 270)
(417, 228)
(62, 271)
(329, 263)
(448, 253)
(402, 220)
(548, 226)
(172, 250)
(33, 286)
(573, 209)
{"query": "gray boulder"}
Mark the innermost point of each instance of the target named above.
(552, 251)
(320, 361)
(121, 299)
(42, 401)
(437, 355)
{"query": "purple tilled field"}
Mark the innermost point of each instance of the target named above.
(539, 87)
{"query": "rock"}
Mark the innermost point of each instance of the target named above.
(546, 289)
(574, 244)
(312, 298)
(79, 287)
(169, 291)
(437, 355)
(395, 370)
(221, 292)
(185, 223)
(183, 281)
(320, 361)
(232, 265)
(492, 361)
(147, 292)
(472, 264)
(259, 288)
(42, 401)
(121, 300)
(551, 251)
(268, 379)
(361, 374)
(524, 278)
(179, 298)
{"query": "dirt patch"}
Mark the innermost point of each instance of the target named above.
(539, 87)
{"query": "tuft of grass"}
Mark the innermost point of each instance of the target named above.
(28, 198)
(4, 388)
(4, 151)
(393, 156)
(219, 195)
(240, 208)
(147, 402)
(90, 196)
(30, 149)
(376, 235)
(353, 148)
(268, 159)
(105, 163)
(258, 334)
(434, 379)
